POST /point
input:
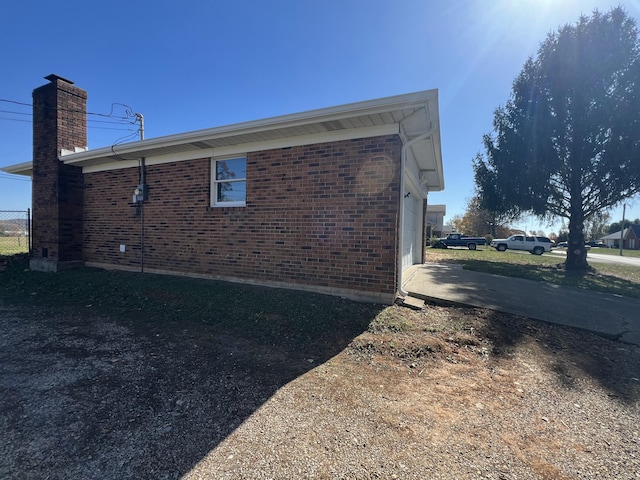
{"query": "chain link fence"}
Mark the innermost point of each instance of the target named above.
(15, 232)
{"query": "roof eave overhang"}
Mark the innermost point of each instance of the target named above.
(427, 151)
(414, 113)
(321, 120)
(25, 169)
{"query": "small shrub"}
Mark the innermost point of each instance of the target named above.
(436, 243)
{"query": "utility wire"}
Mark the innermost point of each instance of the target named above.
(128, 110)
(120, 122)
(15, 102)
(90, 120)
(15, 120)
(9, 177)
(92, 127)
(130, 118)
(113, 128)
(124, 139)
(17, 113)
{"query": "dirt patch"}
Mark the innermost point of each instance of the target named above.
(438, 393)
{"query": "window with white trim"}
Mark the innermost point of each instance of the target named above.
(229, 182)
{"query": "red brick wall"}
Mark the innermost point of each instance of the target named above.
(320, 215)
(59, 121)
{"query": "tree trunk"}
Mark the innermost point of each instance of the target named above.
(576, 251)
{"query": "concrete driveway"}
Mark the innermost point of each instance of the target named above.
(608, 315)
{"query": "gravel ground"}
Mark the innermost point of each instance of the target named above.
(439, 393)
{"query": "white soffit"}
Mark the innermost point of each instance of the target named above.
(361, 115)
(25, 168)
(413, 113)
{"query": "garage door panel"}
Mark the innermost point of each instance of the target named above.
(409, 247)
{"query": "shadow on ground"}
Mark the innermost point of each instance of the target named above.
(579, 327)
(588, 279)
(613, 365)
(141, 395)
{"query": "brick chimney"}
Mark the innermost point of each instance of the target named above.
(59, 122)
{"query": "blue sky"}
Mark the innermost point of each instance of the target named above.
(198, 64)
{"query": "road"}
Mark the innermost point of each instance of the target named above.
(604, 258)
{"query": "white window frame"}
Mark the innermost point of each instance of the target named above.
(214, 183)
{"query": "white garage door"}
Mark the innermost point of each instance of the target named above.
(410, 248)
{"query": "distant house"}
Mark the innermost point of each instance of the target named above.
(330, 200)
(632, 237)
(613, 240)
(435, 220)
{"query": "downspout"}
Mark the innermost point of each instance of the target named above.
(142, 188)
(403, 160)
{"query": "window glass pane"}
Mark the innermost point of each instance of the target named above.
(230, 169)
(231, 191)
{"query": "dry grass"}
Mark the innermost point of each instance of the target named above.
(451, 393)
(204, 380)
(13, 245)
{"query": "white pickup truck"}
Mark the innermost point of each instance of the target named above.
(535, 245)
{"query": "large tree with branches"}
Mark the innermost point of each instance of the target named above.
(567, 143)
(478, 221)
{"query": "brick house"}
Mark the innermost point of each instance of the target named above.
(632, 237)
(330, 200)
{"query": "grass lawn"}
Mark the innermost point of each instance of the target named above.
(616, 279)
(267, 315)
(13, 245)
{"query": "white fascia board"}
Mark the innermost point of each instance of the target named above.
(243, 148)
(422, 122)
(369, 107)
(436, 144)
(437, 208)
(25, 168)
(138, 149)
(437, 151)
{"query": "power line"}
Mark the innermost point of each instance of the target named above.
(16, 102)
(15, 120)
(116, 122)
(120, 122)
(92, 127)
(9, 177)
(131, 118)
(113, 128)
(125, 138)
(16, 113)
(128, 110)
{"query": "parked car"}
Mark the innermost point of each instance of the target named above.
(587, 245)
(459, 240)
(534, 245)
(546, 240)
(596, 244)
